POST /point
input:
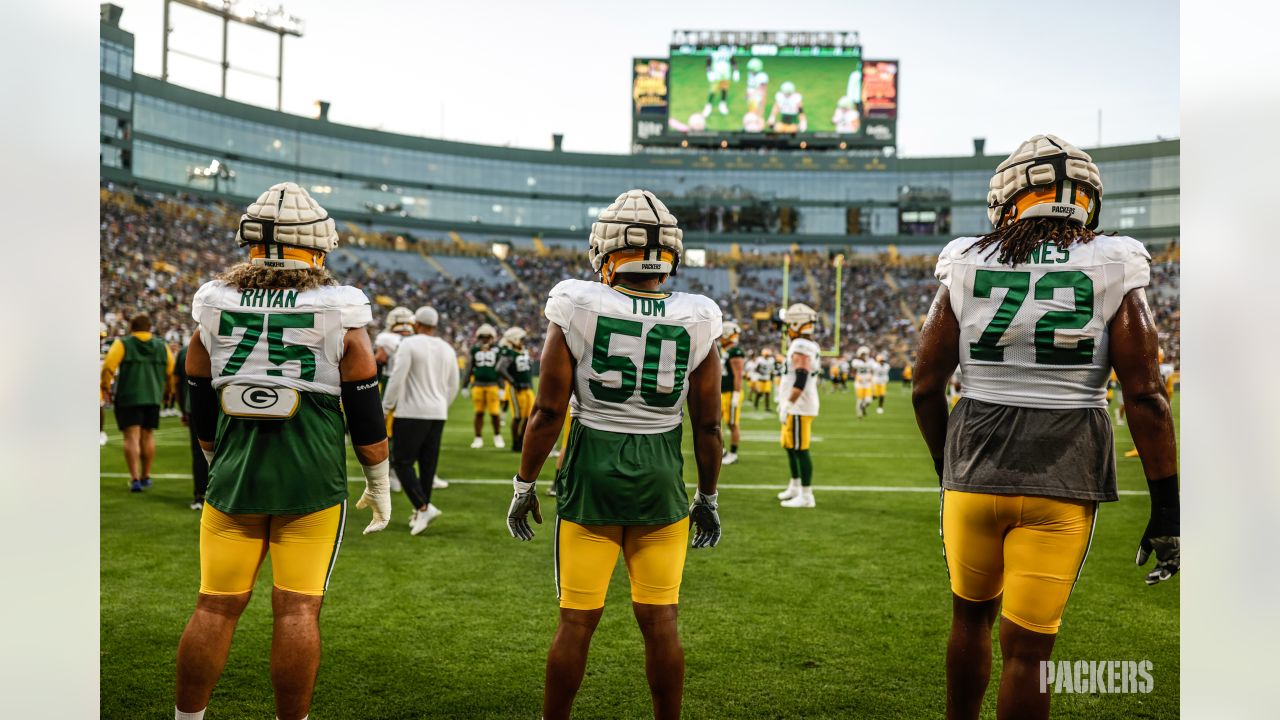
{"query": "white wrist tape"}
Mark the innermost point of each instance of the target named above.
(377, 476)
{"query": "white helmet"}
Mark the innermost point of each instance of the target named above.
(486, 330)
(513, 337)
(845, 102)
(286, 216)
(636, 234)
(1046, 177)
(788, 87)
(398, 318)
(881, 357)
(729, 332)
(863, 351)
(800, 319)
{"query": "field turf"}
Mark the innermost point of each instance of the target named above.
(820, 80)
(837, 612)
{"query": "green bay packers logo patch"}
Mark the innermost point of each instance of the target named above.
(258, 401)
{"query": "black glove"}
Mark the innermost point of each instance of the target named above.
(523, 502)
(706, 521)
(1162, 535)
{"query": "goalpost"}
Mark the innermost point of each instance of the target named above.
(838, 263)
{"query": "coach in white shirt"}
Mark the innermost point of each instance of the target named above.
(424, 382)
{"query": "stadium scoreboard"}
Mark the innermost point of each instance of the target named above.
(750, 89)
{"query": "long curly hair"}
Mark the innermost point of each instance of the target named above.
(1016, 241)
(245, 276)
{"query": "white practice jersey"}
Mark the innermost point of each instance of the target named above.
(846, 120)
(1036, 335)
(788, 104)
(280, 338)
(633, 352)
(880, 373)
(752, 370)
(807, 403)
(390, 342)
(757, 81)
(862, 371)
(721, 65)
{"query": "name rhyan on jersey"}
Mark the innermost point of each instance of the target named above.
(278, 338)
(634, 352)
(1036, 335)
(807, 403)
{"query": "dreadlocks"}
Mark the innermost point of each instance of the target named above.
(1015, 241)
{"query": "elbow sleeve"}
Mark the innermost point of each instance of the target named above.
(363, 406)
(204, 407)
(802, 379)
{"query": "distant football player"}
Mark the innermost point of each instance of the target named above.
(398, 326)
(764, 370)
(722, 68)
(1037, 312)
(757, 88)
(880, 380)
(787, 115)
(863, 367)
(779, 369)
(139, 367)
(846, 117)
(631, 355)
(515, 368)
(732, 364)
(798, 404)
(482, 378)
(280, 357)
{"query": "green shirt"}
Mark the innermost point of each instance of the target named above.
(142, 373)
(726, 370)
(484, 365)
(519, 368)
(610, 478)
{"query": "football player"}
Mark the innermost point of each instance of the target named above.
(137, 373)
(757, 89)
(880, 380)
(630, 354)
(1036, 312)
(399, 325)
(765, 368)
(787, 115)
(722, 66)
(732, 361)
(482, 378)
(280, 356)
(846, 118)
(798, 404)
(515, 368)
(863, 369)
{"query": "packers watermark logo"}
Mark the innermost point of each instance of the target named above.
(1090, 677)
(259, 401)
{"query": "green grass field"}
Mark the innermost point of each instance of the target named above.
(820, 80)
(837, 612)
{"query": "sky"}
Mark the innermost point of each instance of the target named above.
(513, 73)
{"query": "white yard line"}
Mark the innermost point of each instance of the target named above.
(723, 486)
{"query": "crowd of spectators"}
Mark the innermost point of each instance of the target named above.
(156, 251)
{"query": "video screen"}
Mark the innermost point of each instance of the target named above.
(736, 89)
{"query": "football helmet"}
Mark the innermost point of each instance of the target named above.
(287, 229)
(399, 319)
(788, 87)
(513, 338)
(636, 234)
(881, 357)
(863, 351)
(755, 65)
(800, 319)
(486, 331)
(845, 102)
(729, 333)
(1045, 177)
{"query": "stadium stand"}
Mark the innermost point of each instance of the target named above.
(156, 250)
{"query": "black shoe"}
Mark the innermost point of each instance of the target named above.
(135, 486)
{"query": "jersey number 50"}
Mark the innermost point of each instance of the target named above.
(602, 362)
